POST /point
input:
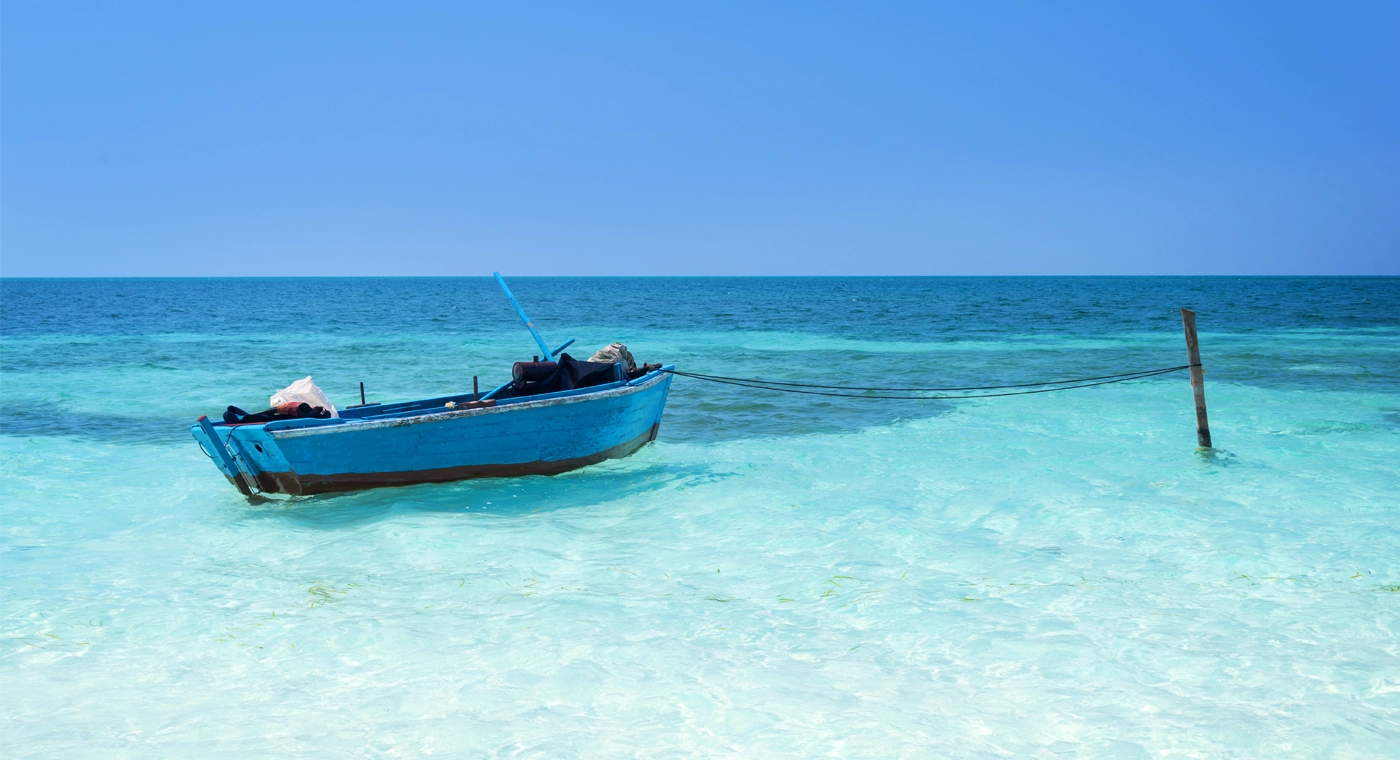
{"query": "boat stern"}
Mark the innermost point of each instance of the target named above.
(247, 455)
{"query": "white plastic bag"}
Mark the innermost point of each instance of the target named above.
(303, 391)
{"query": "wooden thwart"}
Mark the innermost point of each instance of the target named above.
(1198, 377)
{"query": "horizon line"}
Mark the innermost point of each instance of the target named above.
(679, 276)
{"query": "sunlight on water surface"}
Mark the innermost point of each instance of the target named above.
(1053, 575)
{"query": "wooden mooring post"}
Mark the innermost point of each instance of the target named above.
(1198, 377)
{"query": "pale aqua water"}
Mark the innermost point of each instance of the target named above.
(1046, 576)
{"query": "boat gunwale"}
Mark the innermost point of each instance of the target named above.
(626, 388)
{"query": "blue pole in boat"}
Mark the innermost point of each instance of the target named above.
(544, 347)
(492, 394)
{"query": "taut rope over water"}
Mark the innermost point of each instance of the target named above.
(1048, 386)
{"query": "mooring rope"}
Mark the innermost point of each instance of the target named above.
(1062, 385)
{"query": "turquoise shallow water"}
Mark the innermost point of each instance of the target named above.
(1054, 575)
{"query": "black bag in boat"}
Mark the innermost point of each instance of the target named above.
(235, 416)
(533, 378)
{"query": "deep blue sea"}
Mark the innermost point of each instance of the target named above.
(1057, 575)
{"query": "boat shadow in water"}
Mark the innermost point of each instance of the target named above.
(636, 476)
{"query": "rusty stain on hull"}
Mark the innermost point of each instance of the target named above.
(305, 485)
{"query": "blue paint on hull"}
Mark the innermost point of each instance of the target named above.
(406, 443)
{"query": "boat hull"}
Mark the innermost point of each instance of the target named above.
(543, 435)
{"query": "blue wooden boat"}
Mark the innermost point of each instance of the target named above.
(507, 432)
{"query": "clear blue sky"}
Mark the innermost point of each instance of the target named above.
(699, 138)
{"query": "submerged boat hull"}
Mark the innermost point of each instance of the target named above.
(537, 435)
